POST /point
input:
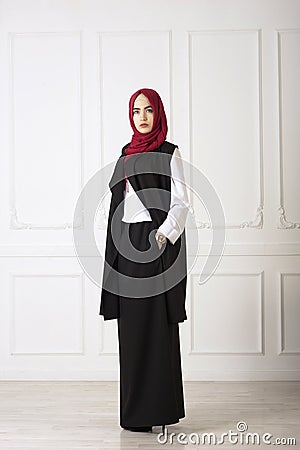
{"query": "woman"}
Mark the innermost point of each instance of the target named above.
(145, 238)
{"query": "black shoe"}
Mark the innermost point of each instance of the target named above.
(141, 429)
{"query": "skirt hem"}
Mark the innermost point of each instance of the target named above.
(172, 422)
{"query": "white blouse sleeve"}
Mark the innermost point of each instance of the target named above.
(174, 224)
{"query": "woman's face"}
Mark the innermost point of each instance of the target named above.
(142, 114)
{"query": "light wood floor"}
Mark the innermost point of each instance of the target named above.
(65, 415)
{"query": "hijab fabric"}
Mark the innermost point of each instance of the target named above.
(144, 142)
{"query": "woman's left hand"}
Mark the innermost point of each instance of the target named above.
(160, 239)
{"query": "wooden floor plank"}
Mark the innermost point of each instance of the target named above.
(69, 415)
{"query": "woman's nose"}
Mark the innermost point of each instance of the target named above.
(143, 115)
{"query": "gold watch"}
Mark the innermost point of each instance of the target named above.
(162, 239)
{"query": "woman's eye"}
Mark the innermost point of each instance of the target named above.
(150, 110)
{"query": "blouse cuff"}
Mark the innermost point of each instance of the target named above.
(170, 231)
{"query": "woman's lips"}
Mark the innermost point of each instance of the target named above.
(143, 125)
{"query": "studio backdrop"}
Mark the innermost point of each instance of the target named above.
(228, 74)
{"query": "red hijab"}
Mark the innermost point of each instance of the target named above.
(144, 142)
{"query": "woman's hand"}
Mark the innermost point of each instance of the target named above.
(160, 239)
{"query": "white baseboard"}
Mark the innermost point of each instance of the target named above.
(197, 375)
(242, 375)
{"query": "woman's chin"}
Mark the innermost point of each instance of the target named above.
(144, 131)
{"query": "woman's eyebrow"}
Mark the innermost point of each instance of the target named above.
(149, 106)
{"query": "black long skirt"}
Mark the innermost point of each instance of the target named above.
(151, 388)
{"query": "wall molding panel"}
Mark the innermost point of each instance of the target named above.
(46, 320)
(289, 314)
(238, 320)
(288, 61)
(113, 47)
(32, 80)
(251, 40)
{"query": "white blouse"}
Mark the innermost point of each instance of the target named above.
(173, 225)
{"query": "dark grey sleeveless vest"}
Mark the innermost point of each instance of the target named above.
(150, 175)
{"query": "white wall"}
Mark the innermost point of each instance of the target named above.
(228, 73)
